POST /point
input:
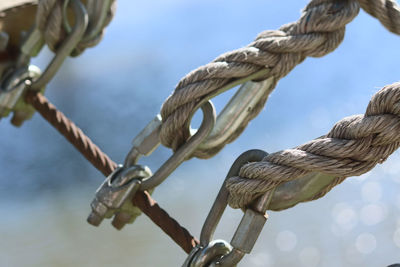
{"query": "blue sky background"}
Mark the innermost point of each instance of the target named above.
(114, 89)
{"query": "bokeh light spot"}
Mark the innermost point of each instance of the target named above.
(372, 214)
(344, 216)
(396, 237)
(366, 243)
(286, 240)
(371, 192)
(262, 259)
(310, 256)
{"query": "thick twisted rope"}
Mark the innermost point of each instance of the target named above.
(319, 31)
(387, 11)
(49, 20)
(353, 147)
(105, 165)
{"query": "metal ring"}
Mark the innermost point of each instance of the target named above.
(210, 253)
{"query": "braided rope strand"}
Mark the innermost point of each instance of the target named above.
(318, 32)
(353, 147)
(49, 20)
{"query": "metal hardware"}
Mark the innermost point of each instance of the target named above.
(148, 140)
(289, 194)
(236, 111)
(109, 201)
(145, 142)
(34, 43)
(251, 224)
(203, 256)
(114, 195)
(12, 91)
(97, 12)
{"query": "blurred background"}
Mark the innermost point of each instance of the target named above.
(114, 89)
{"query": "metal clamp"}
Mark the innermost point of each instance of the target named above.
(110, 201)
(12, 92)
(251, 224)
(114, 195)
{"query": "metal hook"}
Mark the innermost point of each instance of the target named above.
(185, 150)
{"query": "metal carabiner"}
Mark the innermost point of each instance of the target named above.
(97, 13)
(236, 111)
(34, 42)
(148, 140)
(252, 221)
(143, 144)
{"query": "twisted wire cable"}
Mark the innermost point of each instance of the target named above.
(105, 165)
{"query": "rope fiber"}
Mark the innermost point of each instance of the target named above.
(353, 147)
(49, 20)
(319, 31)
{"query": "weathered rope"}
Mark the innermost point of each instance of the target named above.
(387, 11)
(353, 147)
(49, 20)
(105, 165)
(319, 31)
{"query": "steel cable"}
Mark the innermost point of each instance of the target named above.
(105, 165)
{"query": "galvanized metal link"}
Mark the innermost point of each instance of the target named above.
(148, 140)
(144, 144)
(250, 226)
(185, 151)
(236, 111)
